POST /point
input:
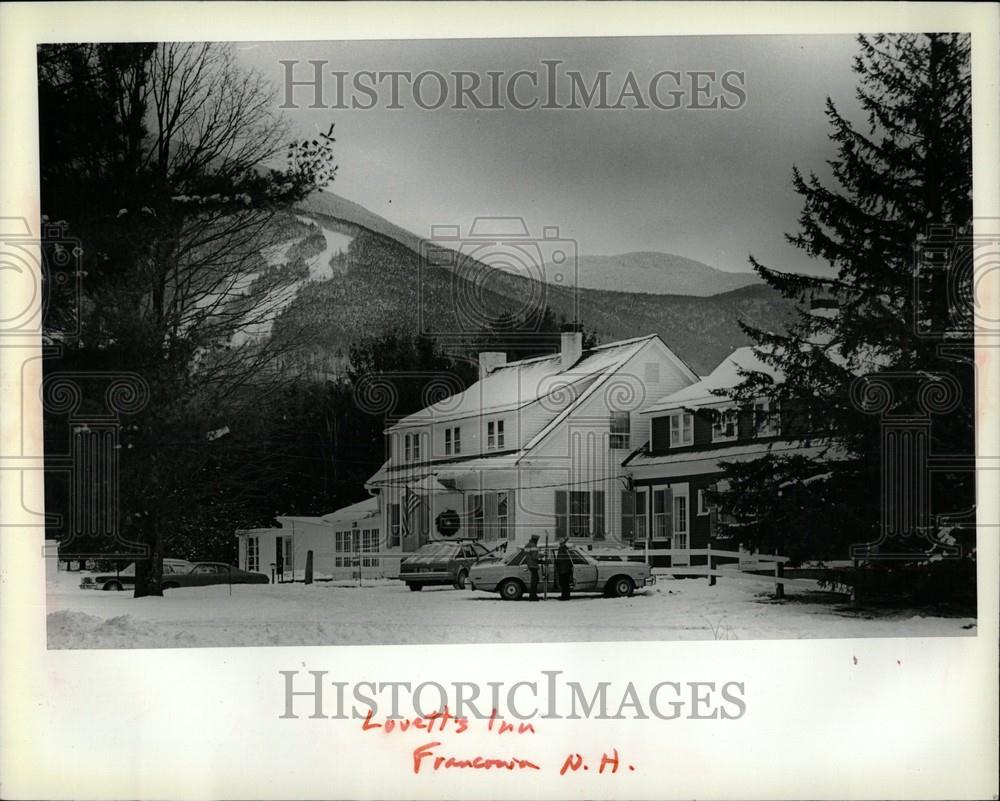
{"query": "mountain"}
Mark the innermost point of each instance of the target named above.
(365, 275)
(655, 273)
(347, 216)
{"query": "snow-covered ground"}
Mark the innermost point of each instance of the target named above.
(386, 613)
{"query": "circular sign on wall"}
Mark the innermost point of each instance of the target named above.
(447, 523)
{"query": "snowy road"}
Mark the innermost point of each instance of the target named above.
(387, 613)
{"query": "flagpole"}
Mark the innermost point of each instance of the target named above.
(545, 570)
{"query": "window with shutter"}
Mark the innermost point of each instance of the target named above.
(491, 515)
(502, 516)
(579, 513)
(725, 425)
(598, 522)
(562, 514)
(477, 516)
(641, 511)
(619, 438)
(628, 516)
(394, 528)
(662, 509)
(681, 429)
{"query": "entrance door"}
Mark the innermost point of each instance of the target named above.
(283, 556)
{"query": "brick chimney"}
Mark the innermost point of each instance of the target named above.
(571, 345)
(489, 361)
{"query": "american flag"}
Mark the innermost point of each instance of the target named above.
(411, 502)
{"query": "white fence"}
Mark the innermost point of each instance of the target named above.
(738, 570)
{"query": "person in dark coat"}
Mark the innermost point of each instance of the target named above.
(531, 562)
(564, 570)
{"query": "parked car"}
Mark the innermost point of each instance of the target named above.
(125, 578)
(205, 573)
(179, 573)
(445, 562)
(508, 575)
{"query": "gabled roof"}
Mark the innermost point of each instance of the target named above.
(725, 376)
(517, 384)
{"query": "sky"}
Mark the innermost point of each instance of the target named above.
(711, 184)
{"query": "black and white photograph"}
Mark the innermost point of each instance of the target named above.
(484, 341)
(690, 349)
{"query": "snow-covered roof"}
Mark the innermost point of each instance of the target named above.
(696, 462)
(356, 511)
(416, 478)
(516, 384)
(725, 376)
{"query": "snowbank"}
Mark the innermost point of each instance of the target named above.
(386, 613)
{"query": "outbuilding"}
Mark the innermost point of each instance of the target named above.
(343, 543)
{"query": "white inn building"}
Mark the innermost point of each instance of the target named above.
(534, 447)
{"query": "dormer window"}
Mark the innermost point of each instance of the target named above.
(725, 425)
(681, 429)
(765, 422)
(494, 435)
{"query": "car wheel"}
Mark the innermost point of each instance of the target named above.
(415, 587)
(511, 590)
(170, 586)
(112, 586)
(621, 587)
(463, 575)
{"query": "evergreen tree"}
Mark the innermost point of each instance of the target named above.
(906, 169)
(174, 196)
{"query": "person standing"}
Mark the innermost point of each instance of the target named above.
(564, 570)
(531, 562)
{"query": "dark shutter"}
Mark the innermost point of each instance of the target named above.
(490, 500)
(562, 522)
(598, 504)
(668, 501)
(628, 516)
(660, 440)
